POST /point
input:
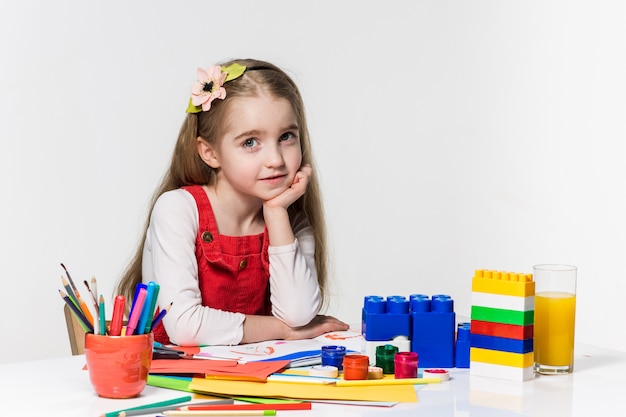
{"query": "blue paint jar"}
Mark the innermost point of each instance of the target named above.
(333, 356)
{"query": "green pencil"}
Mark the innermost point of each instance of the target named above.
(147, 406)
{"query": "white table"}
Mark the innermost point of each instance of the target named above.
(59, 387)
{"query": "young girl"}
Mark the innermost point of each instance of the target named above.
(236, 235)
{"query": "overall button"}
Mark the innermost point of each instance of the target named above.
(243, 264)
(207, 237)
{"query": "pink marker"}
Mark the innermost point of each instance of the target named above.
(134, 317)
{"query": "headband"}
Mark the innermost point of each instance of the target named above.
(210, 85)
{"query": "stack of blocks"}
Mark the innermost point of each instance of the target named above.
(502, 320)
(421, 324)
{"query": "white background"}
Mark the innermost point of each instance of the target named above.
(450, 136)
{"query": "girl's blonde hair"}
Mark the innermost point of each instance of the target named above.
(186, 167)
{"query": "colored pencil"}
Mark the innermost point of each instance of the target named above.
(160, 316)
(80, 302)
(277, 407)
(379, 382)
(154, 410)
(79, 315)
(85, 308)
(149, 406)
(138, 303)
(103, 320)
(69, 277)
(220, 413)
(69, 291)
(118, 316)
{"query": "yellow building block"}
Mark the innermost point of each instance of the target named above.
(498, 357)
(505, 283)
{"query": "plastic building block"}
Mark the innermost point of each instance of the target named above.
(505, 283)
(498, 315)
(510, 331)
(433, 330)
(497, 357)
(385, 320)
(505, 302)
(462, 349)
(510, 373)
(502, 343)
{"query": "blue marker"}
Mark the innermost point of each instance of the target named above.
(145, 319)
(137, 288)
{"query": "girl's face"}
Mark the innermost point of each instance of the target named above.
(259, 152)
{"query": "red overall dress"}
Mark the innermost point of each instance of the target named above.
(233, 271)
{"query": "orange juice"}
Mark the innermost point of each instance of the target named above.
(555, 316)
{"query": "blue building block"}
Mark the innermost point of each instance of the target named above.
(501, 343)
(433, 330)
(384, 320)
(463, 344)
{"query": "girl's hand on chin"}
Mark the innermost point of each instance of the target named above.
(294, 192)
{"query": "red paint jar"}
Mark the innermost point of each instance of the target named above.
(405, 365)
(355, 366)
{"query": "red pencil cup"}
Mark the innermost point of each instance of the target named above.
(118, 365)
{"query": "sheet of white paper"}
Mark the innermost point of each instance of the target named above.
(307, 350)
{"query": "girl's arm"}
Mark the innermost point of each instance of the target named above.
(258, 328)
(294, 289)
(169, 259)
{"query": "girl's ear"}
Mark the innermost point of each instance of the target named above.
(207, 153)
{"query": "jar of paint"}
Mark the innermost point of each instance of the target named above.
(355, 366)
(385, 356)
(333, 356)
(405, 365)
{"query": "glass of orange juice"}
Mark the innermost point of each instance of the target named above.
(555, 318)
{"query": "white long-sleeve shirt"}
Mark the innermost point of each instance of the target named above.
(169, 260)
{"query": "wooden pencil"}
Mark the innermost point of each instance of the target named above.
(79, 315)
(158, 410)
(270, 406)
(81, 303)
(199, 413)
(162, 405)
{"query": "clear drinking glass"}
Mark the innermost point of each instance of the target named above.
(555, 318)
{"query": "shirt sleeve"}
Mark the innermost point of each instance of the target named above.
(169, 259)
(294, 290)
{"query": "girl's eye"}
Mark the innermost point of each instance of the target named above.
(249, 143)
(287, 136)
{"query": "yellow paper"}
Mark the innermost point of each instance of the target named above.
(391, 393)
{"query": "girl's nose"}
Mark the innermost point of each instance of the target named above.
(274, 157)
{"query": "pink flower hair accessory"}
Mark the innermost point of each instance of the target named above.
(210, 85)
